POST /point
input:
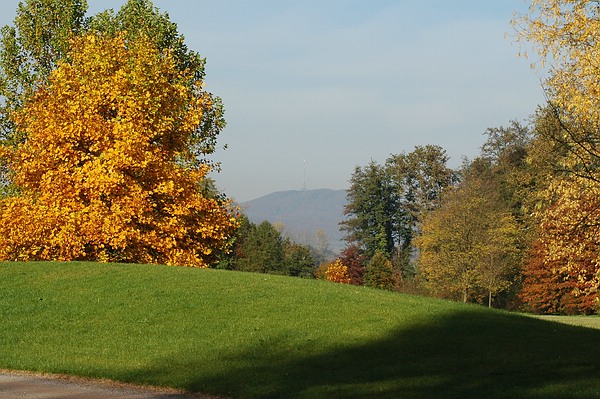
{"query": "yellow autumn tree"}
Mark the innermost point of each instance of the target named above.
(566, 36)
(468, 246)
(570, 231)
(337, 272)
(107, 171)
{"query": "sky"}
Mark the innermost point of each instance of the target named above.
(314, 88)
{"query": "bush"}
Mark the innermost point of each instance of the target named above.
(333, 271)
(380, 273)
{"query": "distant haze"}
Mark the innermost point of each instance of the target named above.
(303, 212)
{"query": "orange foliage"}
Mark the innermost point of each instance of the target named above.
(337, 273)
(570, 230)
(106, 172)
(548, 289)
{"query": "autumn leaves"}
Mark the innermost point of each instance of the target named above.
(565, 34)
(107, 170)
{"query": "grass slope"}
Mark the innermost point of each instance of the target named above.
(259, 336)
(582, 321)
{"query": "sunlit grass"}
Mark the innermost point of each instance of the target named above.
(261, 336)
(582, 321)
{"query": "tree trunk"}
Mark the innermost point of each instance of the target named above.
(490, 299)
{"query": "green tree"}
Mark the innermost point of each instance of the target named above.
(298, 260)
(261, 251)
(380, 272)
(238, 243)
(421, 176)
(506, 146)
(505, 154)
(374, 214)
(503, 167)
(386, 202)
(524, 174)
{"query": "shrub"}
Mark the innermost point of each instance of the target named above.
(337, 272)
(380, 273)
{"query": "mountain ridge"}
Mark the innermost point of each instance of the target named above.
(303, 212)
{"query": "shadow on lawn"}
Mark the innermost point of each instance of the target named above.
(464, 355)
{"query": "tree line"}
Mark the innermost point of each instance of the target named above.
(265, 248)
(518, 226)
(513, 228)
(106, 133)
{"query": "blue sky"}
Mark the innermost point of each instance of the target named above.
(316, 87)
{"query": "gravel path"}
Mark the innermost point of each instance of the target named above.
(22, 385)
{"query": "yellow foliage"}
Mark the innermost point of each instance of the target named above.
(570, 229)
(469, 243)
(567, 33)
(337, 272)
(103, 175)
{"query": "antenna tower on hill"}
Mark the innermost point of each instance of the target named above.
(304, 178)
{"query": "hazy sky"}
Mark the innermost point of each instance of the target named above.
(316, 87)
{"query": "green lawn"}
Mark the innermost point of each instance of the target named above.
(583, 321)
(259, 336)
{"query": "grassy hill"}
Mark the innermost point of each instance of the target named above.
(261, 336)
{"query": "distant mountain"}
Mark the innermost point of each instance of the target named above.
(303, 212)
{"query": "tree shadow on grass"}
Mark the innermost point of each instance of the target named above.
(463, 355)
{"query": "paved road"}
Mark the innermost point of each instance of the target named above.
(16, 385)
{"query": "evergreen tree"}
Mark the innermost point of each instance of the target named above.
(261, 251)
(375, 215)
(387, 202)
(298, 260)
(421, 175)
